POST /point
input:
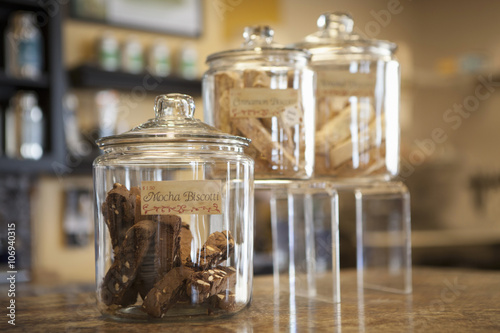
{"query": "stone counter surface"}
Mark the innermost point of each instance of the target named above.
(443, 300)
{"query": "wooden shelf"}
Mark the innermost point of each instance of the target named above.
(90, 76)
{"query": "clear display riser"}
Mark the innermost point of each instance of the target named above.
(305, 223)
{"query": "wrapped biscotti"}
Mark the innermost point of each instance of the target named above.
(351, 141)
(357, 102)
(265, 92)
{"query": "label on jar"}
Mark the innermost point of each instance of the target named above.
(201, 197)
(261, 102)
(339, 83)
(292, 115)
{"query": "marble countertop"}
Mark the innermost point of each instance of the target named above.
(443, 300)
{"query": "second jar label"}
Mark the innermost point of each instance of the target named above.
(202, 197)
(336, 83)
(261, 102)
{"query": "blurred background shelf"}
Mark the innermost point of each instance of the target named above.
(23, 4)
(34, 167)
(90, 76)
(49, 88)
(41, 82)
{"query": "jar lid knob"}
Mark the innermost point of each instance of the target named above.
(174, 106)
(258, 35)
(342, 22)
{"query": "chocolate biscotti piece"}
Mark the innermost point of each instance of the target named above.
(183, 283)
(146, 276)
(164, 252)
(121, 275)
(135, 201)
(218, 247)
(167, 244)
(166, 292)
(185, 244)
(225, 300)
(118, 213)
(210, 282)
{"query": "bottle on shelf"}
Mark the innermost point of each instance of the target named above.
(74, 141)
(159, 59)
(132, 56)
(108, 51)
(23, 46)
(24, 127)
(107, 102)
(188, 58)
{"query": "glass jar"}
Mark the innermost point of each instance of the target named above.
(174, 218)
(23, 46)
(187, 62)
(108, 52)
(357, 101)
(25, 127)
(132, 56)
(159, 59)
(265, 91)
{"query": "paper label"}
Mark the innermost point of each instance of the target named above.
(338, 83)
(201, 197)
(261, 102)
(292, 116)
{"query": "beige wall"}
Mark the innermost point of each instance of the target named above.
(53, 261)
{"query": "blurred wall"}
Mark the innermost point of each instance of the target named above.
(456, 50)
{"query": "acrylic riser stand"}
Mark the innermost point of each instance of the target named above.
(383, 236)
(304, 221)
(305, 229)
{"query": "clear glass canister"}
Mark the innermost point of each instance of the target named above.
(357, 101)
(265, 91)
(174, 218)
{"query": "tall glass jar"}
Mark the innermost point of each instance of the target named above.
(174, 218)
(265, 91)
(357, 101)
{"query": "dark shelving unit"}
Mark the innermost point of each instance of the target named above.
(91, 76)
(50, 87)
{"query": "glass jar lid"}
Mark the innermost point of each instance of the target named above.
(173, 124)
(258, 42)
(335, 35)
